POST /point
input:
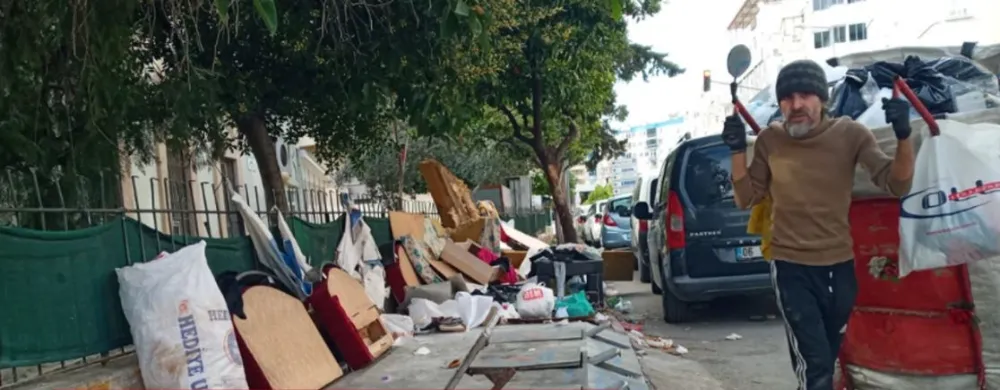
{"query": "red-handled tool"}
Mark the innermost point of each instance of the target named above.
(899, 86)
(739, 108)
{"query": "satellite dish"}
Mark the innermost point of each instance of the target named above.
(738, 61)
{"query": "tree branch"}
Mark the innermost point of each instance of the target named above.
(518, 134)
(574, 131)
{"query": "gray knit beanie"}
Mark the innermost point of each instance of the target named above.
(802, 76)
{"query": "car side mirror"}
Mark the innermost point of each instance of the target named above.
(641, 211)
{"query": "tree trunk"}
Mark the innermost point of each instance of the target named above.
(252, 127)
(553, 173)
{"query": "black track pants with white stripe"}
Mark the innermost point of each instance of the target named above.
(815, 302)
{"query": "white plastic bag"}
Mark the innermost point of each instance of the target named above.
(399, 325)
(180, 323)
(535, 301)
(952, 213)
(471, 309)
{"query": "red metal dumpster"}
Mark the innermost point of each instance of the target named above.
(918, 325)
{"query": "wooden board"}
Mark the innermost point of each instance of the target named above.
(350, 291)
(406, 224)
(402, 224)
(618, 265)
(284, 341)
(406, 268)
(534, 356)
(551, 333)
(469, 231)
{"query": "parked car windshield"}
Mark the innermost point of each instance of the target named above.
(707, 178)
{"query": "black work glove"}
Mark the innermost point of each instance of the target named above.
(897, 113)
(734, 134)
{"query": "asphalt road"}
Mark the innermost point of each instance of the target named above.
(757, 361)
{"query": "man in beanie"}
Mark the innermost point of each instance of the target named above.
(806, 165)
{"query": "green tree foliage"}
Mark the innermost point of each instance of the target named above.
(77, 95)
(339, 73)
(600, 193)
(540, 185)
(555, 67)
(476, 163)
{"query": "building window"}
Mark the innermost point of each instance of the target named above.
(650, 133)
(854, 1)
(819, 5)
(840, 34)
(821, 39)
(858, 32)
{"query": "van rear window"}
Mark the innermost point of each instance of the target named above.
(706, 179)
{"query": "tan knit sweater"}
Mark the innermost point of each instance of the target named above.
(809, 180)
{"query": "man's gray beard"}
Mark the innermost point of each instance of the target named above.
(798, 130)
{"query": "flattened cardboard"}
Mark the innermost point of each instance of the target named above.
(470, 265)
(618, 265)
(522, 238)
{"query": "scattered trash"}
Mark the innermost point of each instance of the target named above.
(454, 363)
(563, 322)
(600, 318)
(386, 378)
(659, 342)
(422, 351)
(679, 350)
(733, 336)
(624, 306)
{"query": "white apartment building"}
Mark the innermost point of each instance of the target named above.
(781, 31)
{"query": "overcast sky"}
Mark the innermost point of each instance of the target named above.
(693, 34)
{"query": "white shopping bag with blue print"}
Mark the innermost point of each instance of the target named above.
(952, 214)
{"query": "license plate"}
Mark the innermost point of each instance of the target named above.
(747, 253)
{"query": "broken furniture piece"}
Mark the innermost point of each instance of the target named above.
(279, 343)
(350, 318)
(499, 359)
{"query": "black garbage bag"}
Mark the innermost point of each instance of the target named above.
(964, 78)
(926, 82)
(848, 97)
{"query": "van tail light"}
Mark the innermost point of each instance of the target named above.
(608, 221)
(643, 226)
(674, 222)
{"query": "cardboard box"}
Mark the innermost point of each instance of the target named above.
(618, 265)
(467, 263)
(516, 257)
